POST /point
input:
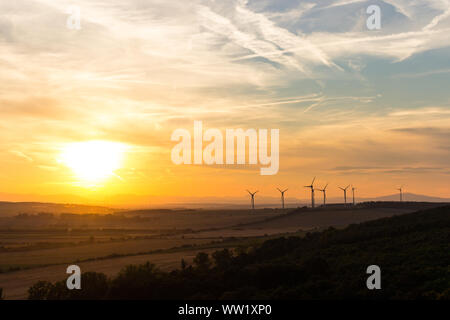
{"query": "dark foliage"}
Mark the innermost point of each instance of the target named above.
(412, 251)
(93, 286)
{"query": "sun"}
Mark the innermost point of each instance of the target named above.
(93, 161)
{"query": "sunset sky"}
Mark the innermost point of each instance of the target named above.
(354, 106)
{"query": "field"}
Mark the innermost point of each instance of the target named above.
(39, 246)
(16, 286)
(34, 258)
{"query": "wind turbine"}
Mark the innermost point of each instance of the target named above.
(401, 193)
(312, 192)
(324, 190)
(353, 193)
(345, 193)
(253, 198)
(282, 197)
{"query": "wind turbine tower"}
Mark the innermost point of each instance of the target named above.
(312, 192)
(282, 197)
(345, 193)
(401, 193)
(324, 190)
(353, 194)
(252, 194)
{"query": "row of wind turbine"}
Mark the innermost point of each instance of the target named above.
(324, 191)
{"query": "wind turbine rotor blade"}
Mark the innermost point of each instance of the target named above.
(313, 181)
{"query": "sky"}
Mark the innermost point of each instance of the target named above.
(354, 106)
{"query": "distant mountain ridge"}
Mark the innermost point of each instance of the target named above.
(409, 197)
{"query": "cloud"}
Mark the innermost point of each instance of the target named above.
(427, 131)
(21, 155)
(421, 74)
(200, 45)
(426, 111)
(388, 170)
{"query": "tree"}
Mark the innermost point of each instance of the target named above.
(93, 286)
(40, 290)
(202, 261)
(136, 282)
(222, 258)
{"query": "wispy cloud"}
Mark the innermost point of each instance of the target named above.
(421, 74)
(21, 155)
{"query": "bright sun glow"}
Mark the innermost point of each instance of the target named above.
(93, 161)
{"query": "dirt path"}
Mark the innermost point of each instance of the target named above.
(15, 284)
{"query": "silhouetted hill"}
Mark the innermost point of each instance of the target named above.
(408, 197)
(406, 205)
